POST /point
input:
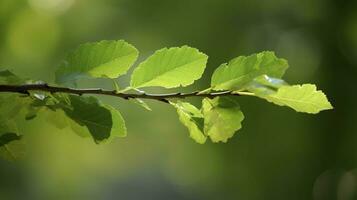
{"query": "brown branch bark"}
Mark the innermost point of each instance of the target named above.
(24, 89)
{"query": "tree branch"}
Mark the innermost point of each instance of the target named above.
(24, 89)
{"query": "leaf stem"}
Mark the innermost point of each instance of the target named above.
(205, 91)
(116, 85)
(125, 90)
(245, 93)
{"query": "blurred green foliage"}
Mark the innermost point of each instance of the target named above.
(277, 155)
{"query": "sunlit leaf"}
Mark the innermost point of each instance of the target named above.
(243, 69)
(100, 59)
(222, 118)
(170, 68)
(192, 118)
(302, 98)
(265, 85)
(118, 128)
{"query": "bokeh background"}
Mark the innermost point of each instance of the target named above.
(279, 154)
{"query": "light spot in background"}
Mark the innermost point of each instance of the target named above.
(336, 184)
(32, 37)
(51, 6)
(325, 186)
(347, 187)
(303, 55)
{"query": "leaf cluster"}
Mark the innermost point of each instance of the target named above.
(218, 118)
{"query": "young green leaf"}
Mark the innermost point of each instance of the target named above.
(243, 69)
(302, 98)
(192, 118)
(222, 118)
(100, 59)
(170, 68)
(265, 85)
(103, 122)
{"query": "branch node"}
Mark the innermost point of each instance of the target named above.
(164, 100)
(27, 93)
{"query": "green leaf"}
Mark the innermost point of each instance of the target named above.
(170, 68)
(118, 128)
(11, 105)
(265, 85)
(39, 102)
(12, 146)
(222, 118)
(301, 98)
(102, 121)
(243, 69)
(270, 82)
(7, 77)
(100, 59)
(192, 118)
(32, 113)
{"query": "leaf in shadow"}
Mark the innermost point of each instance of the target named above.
(86, 111)
(11, 146)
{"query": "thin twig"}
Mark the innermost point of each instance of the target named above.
(24, 89)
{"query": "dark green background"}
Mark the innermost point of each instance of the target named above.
(279, 154)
